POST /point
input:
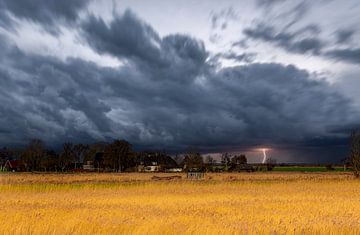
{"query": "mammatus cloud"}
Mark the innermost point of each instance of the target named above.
(166, 94)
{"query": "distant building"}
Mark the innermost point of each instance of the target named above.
(94, 163)
(89, 166)
(14, 165)
(155, 168)
(178, 169)
(155, 161)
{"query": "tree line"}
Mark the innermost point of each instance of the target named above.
(120, 156)
(117, 156)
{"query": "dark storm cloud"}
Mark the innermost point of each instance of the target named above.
(126, 36)
(296, 42)
(351, 55)
(5, 20)
(45, 12)
(230, 55)
(327, 141)
(282, 28)
(292, 42)
(344, 36)
(166, 94)
(174, 57)
(37, 92)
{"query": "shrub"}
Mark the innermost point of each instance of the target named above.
(355, 152)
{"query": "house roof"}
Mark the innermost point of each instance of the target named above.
(160, 159)
(14, 163)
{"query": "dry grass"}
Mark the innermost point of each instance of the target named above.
(284, 203)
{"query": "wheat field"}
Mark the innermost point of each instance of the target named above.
(254, 203)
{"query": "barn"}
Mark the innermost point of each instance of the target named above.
(15, 165)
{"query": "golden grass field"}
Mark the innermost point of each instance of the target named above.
(243, 203)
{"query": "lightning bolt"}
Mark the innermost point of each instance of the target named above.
(264, 153)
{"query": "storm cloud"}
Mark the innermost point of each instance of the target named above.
(292, 42)
(351, 55)
(296, 42)
(166, 94)
(285, 29)
(48, 13)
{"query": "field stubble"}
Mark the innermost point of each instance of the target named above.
(265, 203)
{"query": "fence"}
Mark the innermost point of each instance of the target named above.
(195, 175)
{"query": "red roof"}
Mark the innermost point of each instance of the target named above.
(14, 163)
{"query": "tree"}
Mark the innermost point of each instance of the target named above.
(66, 156)
(49, 161)
(93, 149)
(118, 154)
(99, 160)
(193, 159)
(239, 159)
(6, 153)
(79, 152)
(355, 152)
(270, 163)
(177, 159)
(34, 154)
(210, 160)
(226, 160)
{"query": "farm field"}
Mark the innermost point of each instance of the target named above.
(229, 203)
(308, 169)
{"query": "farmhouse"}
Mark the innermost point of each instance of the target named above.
(14, 165)
(155, 161)
(153, 168)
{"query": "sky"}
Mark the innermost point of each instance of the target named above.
(217, 76)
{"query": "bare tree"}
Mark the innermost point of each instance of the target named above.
(5, 154)
(79, 152)
(239, 159)
(49, 161)
(117, 154)
(193, 160)
(210, 160)
(270, 163)
(226, 160)
(355, 152)
(66, 156)
(178, 158)
(34, 154)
